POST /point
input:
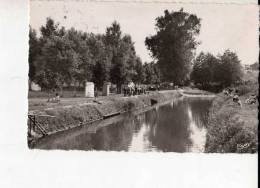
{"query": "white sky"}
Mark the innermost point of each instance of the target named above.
(223, 26)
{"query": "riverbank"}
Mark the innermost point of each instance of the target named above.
(188, 92)
(231, 128)
(70, 113)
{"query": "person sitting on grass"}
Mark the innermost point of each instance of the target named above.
(237, 100)
(252, 99)
(57, 98)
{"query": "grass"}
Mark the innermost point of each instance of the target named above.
(231, 128)
(227, 134)
(76, 111)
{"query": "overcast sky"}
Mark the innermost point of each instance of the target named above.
(222, 26)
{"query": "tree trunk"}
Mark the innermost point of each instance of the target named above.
(48, 91)
(119, 87)
(61, 91)
(30, 84)
(75, 90)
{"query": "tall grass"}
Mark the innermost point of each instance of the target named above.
(244, 89)
(227, 134)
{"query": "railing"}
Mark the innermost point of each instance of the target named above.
(34, 124)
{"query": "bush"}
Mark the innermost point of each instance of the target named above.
(244, 89)
(228, 135)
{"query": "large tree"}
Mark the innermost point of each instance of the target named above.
(205, 69)
(224, 69)
(174, 43)
(230, 70)
(123, 58)
(57, 63)
(101, 55)
(72, 56)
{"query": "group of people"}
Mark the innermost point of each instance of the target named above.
(55, 99)
(252, 99)
(132, 89)
(234, 94)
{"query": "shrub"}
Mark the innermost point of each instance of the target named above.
(226, 134)
(244, 89)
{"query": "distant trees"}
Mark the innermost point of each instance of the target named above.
(255, 66)
(174, 43)
(224, 69)
(205, 69)
(60, 56)
(230, 70)
(151, 73)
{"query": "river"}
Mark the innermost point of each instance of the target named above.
(178, 126)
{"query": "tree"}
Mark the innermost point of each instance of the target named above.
(205, 69)
(123, 55)
(139, 75)
(230, 69)
(102, 62)
(57, 63)
(72, 56)
(255, 66)
(50, 28)
(224, 69)
(113, 35)
(174, 43)
(34, 49)
(83, 67)
(151, 73)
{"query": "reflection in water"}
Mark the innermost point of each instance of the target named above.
(175, 127)
(197, 134)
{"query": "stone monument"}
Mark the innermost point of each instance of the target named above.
(106, 88)
(89, 89)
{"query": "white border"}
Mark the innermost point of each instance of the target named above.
(21, 167)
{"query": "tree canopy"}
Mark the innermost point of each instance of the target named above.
(225, 69)
(174, 43)
(69, 56)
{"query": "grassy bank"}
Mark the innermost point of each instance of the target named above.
(232, 128)
(75, 112)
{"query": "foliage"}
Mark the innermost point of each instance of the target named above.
(255, 66)
(244, 89)
(139, 75)
(174, 43)
(228, 135)
(225, 69)
(230, 70)
(204, 69)
(60, 56)
(151, 73)
(34, 50)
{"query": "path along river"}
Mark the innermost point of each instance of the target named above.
(178, 126)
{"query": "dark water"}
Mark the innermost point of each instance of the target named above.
(178, 126)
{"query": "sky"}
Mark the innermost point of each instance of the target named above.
(223, 26)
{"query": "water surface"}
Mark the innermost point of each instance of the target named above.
(178, 126)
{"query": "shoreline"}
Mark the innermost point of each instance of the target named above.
(231, 128)
(67, 117)
(62, 118)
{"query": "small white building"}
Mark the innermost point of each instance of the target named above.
(106, 88)
(89, 89)
(35, 87)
